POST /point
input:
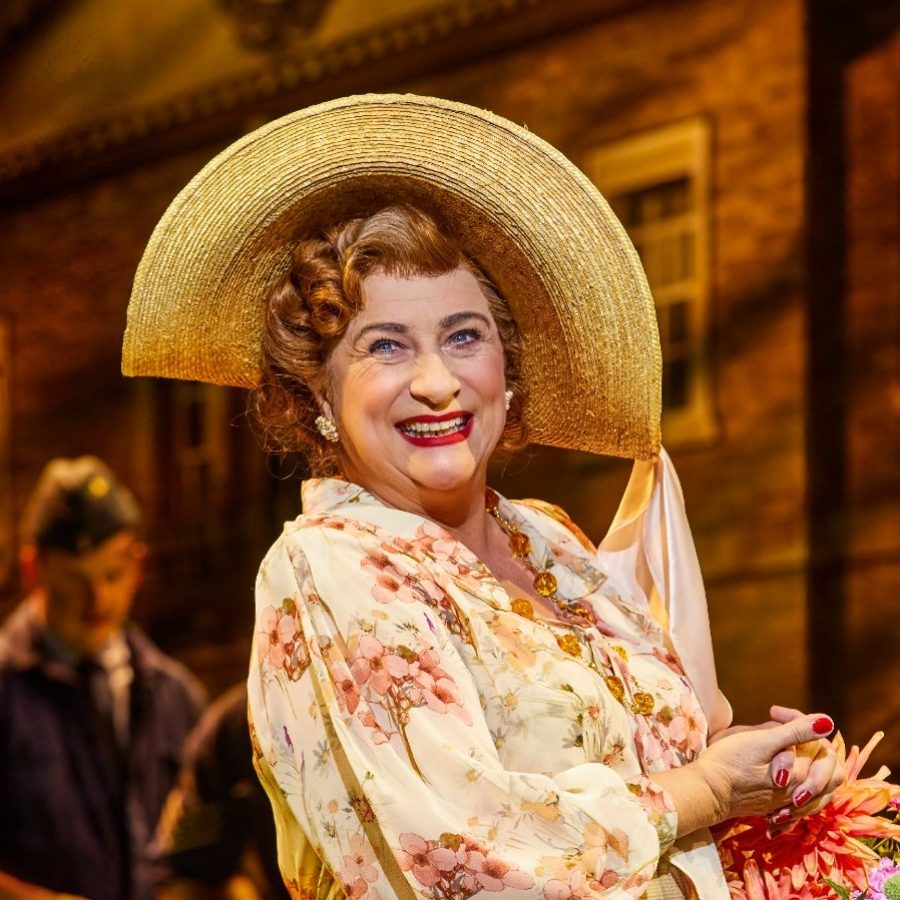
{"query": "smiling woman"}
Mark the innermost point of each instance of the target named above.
(453, 693)
(418, 404)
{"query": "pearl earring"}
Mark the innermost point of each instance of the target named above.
(327, 429)
(507, 399)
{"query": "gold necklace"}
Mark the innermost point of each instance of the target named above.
(546, 585)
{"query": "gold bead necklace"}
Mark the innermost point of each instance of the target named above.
(545, 583)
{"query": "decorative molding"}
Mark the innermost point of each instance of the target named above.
(404, 48)
(273, 24)
(286, 74)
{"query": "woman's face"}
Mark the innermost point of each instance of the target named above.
(416, 389)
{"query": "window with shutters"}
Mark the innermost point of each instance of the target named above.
(657, 182)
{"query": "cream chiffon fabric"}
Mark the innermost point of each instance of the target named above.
(649, 545)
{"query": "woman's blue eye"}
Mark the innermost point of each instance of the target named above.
(466, 336)
(383, 345)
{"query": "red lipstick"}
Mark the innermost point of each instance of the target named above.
(422, 438)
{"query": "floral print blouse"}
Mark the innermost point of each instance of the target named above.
(419, 738)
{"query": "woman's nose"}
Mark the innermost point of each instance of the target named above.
(433, 382)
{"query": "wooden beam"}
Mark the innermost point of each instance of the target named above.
(447, 37)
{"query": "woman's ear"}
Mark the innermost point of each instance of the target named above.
(323, 404)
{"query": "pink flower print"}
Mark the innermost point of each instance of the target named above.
(398, 545)
(391, 582)
(649, 745)
(388, 588)
(347, 693)
(653, 799)
(444, 697)
(356, 890)
(428, 663)
(379, 735)
(433, 594)
(679, 728)
(375, 666)
(426, 860)
(491, 873)
(433, 686)
(377, 560)
(607, 880)
(576, 885)
(665, 657)
(437, 544)
(358, 870)
(685, 731)
(276, 631)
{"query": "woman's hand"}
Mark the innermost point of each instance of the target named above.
(783, 770)
(801, 769)
(733, 776)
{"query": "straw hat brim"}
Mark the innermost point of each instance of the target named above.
(532, 220)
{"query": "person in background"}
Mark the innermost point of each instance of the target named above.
(216, 834)
(93, 716)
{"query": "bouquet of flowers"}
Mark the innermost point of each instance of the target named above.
(850, 849)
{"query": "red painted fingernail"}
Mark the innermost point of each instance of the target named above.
(782, 776)
(823, 725)
(779, 818)
(802, 798)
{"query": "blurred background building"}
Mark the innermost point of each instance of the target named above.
(752, 149)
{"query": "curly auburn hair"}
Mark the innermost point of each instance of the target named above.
(309, 310)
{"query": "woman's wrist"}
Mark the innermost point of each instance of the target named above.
(697, 802)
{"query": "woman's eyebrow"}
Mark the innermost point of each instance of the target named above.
(392, 327)
(446, 322)
(456, 318)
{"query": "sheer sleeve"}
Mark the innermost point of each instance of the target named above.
(373, 746)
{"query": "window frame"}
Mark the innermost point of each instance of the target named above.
(641, 161)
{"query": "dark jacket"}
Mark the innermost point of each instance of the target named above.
(68, 821)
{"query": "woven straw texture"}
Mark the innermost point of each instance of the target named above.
(532, 220)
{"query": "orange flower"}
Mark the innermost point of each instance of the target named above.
(794, 864)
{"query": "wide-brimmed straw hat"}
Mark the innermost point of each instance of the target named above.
(531, 219)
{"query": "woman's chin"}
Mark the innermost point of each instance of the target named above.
(443, 474)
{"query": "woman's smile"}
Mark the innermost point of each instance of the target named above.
(435, 431)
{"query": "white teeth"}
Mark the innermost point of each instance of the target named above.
(434, 429)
